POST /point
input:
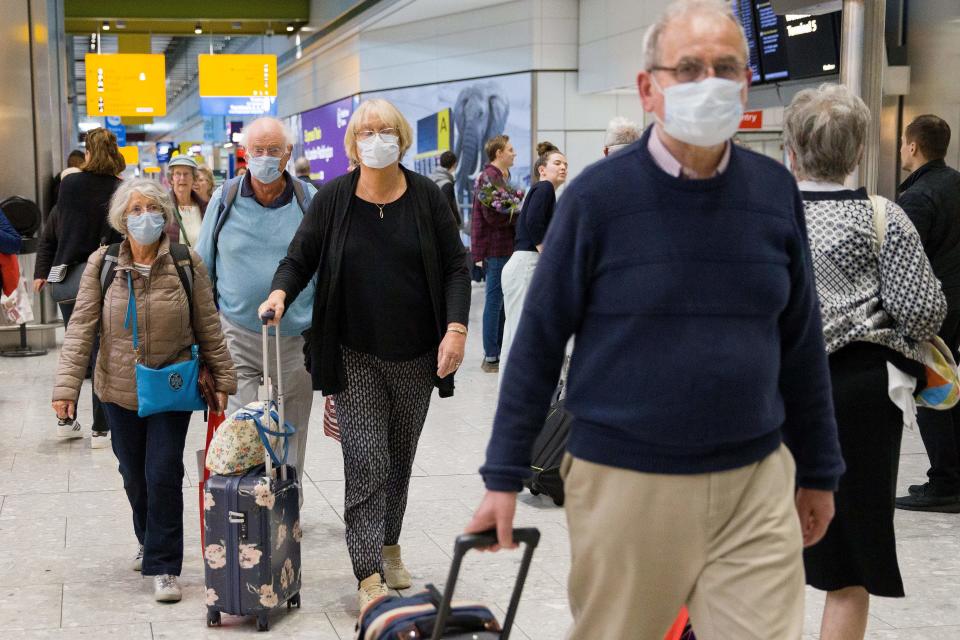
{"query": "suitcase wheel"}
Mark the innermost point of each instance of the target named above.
(558, 500)
(263, 623)
(213, 618)
(534, 491)
(294, 601)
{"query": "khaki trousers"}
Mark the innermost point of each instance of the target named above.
(726, 544)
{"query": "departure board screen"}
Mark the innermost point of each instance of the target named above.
(771, 42)
(812, 45)
(743, 9)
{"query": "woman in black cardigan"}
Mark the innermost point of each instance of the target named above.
(389, 324)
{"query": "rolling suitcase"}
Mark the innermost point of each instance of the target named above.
(433, 615)
(252, 530)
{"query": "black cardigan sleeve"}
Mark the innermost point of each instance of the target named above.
(303, 254)
(453, 260)
(448, 192)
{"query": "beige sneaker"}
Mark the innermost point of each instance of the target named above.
(371, 588)
(166, 588)
(397, 576)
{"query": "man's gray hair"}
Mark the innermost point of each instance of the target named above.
(679, 9)
(288, 136)
(826, 128)
(149, 189)
(621, 131)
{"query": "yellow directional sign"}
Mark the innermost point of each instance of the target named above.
(131, 155)
(126, 84)
(236, 75)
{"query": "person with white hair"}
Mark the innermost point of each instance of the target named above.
(249, 223)
(167, 287)
(703, 450)
(878, 303)
(620, 133)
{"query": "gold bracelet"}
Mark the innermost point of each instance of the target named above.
(456, 330)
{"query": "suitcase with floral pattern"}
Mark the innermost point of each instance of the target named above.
(252, 532)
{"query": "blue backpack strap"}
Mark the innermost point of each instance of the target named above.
(228, 196)
(301, 194)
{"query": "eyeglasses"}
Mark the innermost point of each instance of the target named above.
(693, 70)
(366, 134)
(273, 152)
(138, 210)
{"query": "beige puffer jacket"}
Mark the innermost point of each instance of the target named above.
(164, 322)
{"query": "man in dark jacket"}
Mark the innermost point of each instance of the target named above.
(931, 198)
(443, 177)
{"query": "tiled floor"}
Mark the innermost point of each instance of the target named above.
(67, 538)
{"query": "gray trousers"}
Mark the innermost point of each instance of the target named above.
(246, 349)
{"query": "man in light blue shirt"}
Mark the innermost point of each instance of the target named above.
(253, 237)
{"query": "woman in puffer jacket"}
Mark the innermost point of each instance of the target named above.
(150, 449)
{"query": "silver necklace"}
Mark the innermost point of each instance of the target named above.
(380, 206)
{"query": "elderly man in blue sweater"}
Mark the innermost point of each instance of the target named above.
(254, 233)
(699, 384)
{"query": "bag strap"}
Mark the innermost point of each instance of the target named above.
(176, 214)
(108, 270)
(229, 194)
(287, 431)
(879, 204)
(132, 313)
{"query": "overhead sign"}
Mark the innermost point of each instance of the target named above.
(126, 84)
(238, 84)
(751, 120)
(131, 155)
(114, 125)
(322, 130)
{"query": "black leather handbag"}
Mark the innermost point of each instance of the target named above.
(64, 282)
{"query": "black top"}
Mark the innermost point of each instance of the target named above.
(931, 199)
(535, 216)
(385, 299)
(317, 250)
(78, 226)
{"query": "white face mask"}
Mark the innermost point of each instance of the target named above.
(704, 113)
(379, 150)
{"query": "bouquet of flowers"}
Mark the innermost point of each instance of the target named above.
(501, 198)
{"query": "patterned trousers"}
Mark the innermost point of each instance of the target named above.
(381, 414)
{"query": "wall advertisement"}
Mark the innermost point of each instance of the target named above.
(321, 134)
(461, 116)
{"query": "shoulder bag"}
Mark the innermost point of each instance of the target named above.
(175, 387)
(941, 389)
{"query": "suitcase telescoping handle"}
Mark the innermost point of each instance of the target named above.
(266, 389)
(530, 537)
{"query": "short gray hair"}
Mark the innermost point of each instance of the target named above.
(679, 9)
(149, 189)
(826, 128)
(621, 131)
(288, 136)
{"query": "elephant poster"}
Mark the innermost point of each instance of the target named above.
(461, 116)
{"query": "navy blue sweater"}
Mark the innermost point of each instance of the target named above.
(698, 339)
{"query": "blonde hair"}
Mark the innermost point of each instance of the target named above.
(391, 117)
(149, 189)
(104, 153)
(208, 173)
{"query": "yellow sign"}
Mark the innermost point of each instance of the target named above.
(236, 75)
(126, 84)
(151, 169)
(131, 155)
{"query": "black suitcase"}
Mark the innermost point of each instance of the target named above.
(433, 615)
(252, 534)
(550, 445)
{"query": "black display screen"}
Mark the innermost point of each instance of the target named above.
(743, 9)
(812, 45)
(771, 42)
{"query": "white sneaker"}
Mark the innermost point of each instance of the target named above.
(138, 561)
(166, 588)
(69, 429)
(99, 439)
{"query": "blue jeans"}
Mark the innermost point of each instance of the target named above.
(493, 317)
(150, 451)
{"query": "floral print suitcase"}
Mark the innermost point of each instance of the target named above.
(252, 534)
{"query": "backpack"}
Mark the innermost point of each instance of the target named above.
(181, 259)
(229, 195)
